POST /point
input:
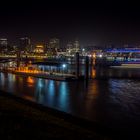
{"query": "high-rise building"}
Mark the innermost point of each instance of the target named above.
(70, 45)
(25, 44)
(3, 45)
(73, 47)
(3, 42)
(53, 47)
(54, 43)
(77, 45)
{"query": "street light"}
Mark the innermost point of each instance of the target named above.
(63, 66)
(83, 49)
(100, 55)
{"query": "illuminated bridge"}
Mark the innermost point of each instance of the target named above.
(124, 50)
(123, 54)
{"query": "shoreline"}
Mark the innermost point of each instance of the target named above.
(88, 126)
(21, 112)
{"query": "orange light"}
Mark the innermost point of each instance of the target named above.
(30, 80)
(94, 55)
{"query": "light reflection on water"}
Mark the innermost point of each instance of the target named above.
(30, 80)
(127, 94)
(105, 101)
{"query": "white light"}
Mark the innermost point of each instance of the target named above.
(83, 49)
(89, 55)
(100, 55)
(64, 65)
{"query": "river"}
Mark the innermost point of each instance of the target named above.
(111, 101)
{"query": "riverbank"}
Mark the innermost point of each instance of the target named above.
(20, 119)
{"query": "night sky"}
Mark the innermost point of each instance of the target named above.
(96, 23)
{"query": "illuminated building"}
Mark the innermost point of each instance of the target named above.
(53, 47)
(3, 45)
(39, 49)
(69, 45)
(72, 48)
(25, 44)
(77, 45)
(54, 43)
(3, 42)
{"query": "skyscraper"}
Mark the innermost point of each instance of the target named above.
(73, 47)
(69, 45)
(25, 44)
(3, 45)
(77, 45)
(54, 43)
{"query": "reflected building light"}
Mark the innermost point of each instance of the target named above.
(2, 78)
(63, 96)
(57, 83)
(11, 77)
(46, 81)
(51, 86)
(40, 84)
(94, 55)
(63, 88)
(14, 77)
(93, 73)
(20, 79)
(30, 80)
(27, 97)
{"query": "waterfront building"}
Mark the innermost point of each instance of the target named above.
(39, 49)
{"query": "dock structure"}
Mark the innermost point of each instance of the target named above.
(87, 68)
(77, 65)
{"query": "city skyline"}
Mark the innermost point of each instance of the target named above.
(69, 69)
(98, 23)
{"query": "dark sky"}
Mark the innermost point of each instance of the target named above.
(97, 23)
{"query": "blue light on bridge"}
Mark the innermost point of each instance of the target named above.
(123, 50)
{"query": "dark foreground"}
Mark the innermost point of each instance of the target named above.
(20, 119)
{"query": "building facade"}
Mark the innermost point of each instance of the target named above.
(25, 44)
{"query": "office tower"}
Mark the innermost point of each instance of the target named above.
(69, 45)
(54, 43)
(3, 45)
(25, 44)
(77, 45)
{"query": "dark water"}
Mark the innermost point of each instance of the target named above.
(114, 102)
